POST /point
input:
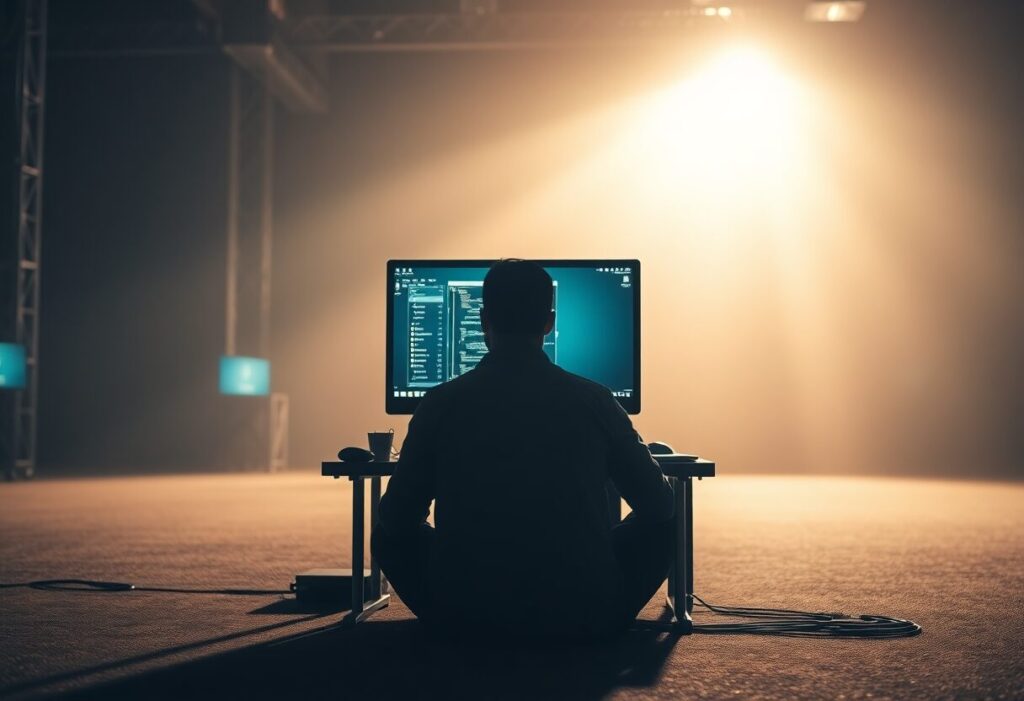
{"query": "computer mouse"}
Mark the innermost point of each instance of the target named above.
(353, 454)
(657, 448)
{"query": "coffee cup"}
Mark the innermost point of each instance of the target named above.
(380, 444)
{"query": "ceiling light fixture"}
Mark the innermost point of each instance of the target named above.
(835, 11)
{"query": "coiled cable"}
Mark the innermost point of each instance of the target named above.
(795, 623)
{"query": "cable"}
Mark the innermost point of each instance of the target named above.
(101, 586)
(780, 622)
(794, 623)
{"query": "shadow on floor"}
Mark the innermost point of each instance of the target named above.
(400, 660)
(64, 677)
(294, 606)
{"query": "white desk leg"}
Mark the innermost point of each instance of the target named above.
(360, 609)
(358, 538)
(377, 585)
(680, 573)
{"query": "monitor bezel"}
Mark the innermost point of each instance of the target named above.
(407, 405)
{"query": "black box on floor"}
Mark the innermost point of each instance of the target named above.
(327, 586)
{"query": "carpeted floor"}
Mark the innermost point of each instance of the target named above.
(949, 555)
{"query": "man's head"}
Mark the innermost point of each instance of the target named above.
(518, 295)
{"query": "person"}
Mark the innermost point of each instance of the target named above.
(516, 455)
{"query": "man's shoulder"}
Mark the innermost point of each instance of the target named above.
(555, 376)
(440, 392)
(582, 385)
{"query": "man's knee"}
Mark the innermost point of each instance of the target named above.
(404, 561)
(641, 538)
(379, 543)
(384, 544)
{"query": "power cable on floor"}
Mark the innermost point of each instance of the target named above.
(100, 586)
(795, 623)
(769, 621)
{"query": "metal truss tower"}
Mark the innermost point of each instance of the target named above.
(249, 257)
(19, 430)
(249, 216)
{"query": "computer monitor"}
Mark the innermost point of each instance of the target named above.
(434, 332)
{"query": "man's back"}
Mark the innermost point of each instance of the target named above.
(517, 454)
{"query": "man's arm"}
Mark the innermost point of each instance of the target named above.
(632, 469)
(406, 503)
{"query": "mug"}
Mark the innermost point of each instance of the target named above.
(380, 444)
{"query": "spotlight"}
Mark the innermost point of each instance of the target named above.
(737, 116)
(838, 11)
(710, 8)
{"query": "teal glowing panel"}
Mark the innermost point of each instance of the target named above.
(244, 376)
(12, 366)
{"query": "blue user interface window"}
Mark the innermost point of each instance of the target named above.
(436, 333)
(12, 365)
(244, 376)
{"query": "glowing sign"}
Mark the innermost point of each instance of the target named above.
(12, 366)
(245, 376)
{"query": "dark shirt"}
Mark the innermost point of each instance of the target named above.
(516, 454)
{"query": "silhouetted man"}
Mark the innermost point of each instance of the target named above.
(516, 455)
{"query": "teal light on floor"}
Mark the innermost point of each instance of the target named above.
(244, 376)
(12, 366)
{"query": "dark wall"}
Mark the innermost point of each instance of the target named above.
(133, 261)
(416, 156)
(8, 157)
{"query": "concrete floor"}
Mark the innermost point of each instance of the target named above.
(949, 555)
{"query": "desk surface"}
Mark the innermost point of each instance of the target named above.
(696, 468)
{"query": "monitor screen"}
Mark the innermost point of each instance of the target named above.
(434, 333)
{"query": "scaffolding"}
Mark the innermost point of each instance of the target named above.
(249, 257)
(19, 431)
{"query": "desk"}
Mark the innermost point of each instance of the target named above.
(680, 575)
